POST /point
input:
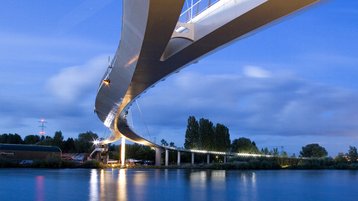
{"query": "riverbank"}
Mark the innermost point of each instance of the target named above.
(252, 164)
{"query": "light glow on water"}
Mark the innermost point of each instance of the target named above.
(40, 188)
(93, 185)
(122, 185)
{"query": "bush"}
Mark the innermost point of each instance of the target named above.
(48, 163)
(4, 163)
(91, 164)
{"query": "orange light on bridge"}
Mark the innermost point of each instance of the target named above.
(106, 82)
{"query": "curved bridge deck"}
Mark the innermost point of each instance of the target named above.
(156, 43)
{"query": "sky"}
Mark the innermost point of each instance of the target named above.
(287, 85)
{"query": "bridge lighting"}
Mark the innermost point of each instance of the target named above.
(106, 82)
(95, 142)
(181, 29)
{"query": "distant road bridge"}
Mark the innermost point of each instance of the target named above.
(159, 37)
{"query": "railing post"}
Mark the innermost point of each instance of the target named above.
(191, 9)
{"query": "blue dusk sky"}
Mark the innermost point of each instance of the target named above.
(292, 83)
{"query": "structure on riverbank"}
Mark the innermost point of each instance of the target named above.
(160, 37)
(20, 152)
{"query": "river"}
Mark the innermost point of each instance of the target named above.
(171, 185)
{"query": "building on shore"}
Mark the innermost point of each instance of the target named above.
(20, 152)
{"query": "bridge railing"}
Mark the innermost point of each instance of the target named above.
(192, 8)
(108, 71)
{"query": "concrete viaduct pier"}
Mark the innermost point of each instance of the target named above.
(193, 153)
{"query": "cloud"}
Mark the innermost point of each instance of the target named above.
(277, 105)
(256, 72)
(26, 48)
(81, 13)
(65, 100)
(72, 82)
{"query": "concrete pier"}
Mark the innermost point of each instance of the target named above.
(158, 153)
(166, 157)
(123, 152)
(178, 158)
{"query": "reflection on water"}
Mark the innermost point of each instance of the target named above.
(247, 186)
(40, 188)
(122, 185)
(172, 185)
(198, 179)
(196, 185)
(109, 185)
(93, 186)
(213, 184)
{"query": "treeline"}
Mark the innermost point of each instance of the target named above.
(203, 135)
(133, 151)
(82, 144)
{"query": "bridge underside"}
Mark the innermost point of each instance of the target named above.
(155, 45)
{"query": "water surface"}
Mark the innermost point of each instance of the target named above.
(198, 185)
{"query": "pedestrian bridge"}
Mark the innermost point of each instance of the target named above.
(160, 37)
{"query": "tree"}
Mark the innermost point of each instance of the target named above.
(313, 151)
(46, 140)
(203, 135)
(15, 139)
(164, 142)
(275, 151)
(265, 151)
(206, 134)
(84, 143)
(11, 138)
(171, 144)
(58, 139)
(192, 134)
(340, 158)
(137, 151)
(31, 139)
(352, 154)
(69, 146)
(284, 154)
(221, 138)
(244, 145)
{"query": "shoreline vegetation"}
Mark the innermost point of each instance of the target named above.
(275, 163)
(200, 134)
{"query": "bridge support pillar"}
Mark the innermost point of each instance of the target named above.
(192, 158)
(158, 153)
(208, 158)
(178, 158)
(166, 157)
(123, 151)
(225, 158)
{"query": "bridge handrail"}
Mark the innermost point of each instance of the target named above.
(217, 152)
(189, 11)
